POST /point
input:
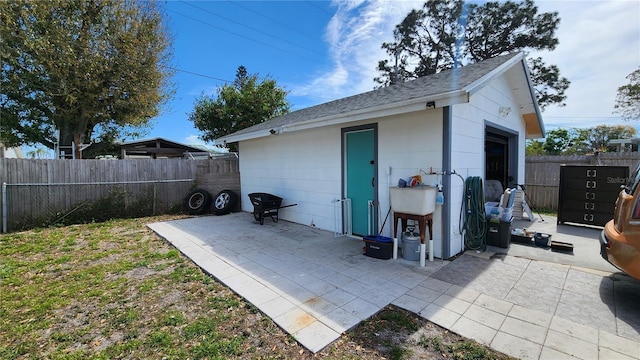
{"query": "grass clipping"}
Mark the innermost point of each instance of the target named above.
(115, 290)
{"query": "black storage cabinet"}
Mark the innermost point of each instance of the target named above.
(499, 233)
(588, 194)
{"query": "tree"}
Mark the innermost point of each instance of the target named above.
(557, 141)
(37, 153)
(449, 33)
(534, 148)
(597, 138)
(577, 141)
(628, 99)
(248, 101)
(78, 68)
(428, 35)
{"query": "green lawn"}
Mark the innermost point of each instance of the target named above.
(114, 290)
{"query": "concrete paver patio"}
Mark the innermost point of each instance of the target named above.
(316, 287)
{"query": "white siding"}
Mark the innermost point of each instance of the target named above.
(304, 167)
(301, 167)
(468, 135)
(408, 144)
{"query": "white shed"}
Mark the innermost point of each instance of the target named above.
(468, 121)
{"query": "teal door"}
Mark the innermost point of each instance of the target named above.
(359, 179)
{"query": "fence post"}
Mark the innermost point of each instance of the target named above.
(4, 207)
(155, 191)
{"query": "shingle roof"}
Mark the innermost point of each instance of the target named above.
(425, 87)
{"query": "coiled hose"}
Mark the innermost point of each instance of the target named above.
(475, 224)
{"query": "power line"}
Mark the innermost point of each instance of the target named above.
(256, 41)
(275, 21)
(312, 3)
(245, 37)
(337, 15)
(229, 81)
(314, 59)
(201, 75)
(252, 28)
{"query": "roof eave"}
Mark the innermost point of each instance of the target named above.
(401, 107)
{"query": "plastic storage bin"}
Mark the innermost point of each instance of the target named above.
(379, 247)
(499, 233)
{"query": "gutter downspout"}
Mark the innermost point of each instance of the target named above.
(447, 130)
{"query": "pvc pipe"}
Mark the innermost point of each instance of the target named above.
(395, 248)
(423, 249)
(369, 206)
(430, 249)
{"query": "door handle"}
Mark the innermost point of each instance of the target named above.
(373, 182)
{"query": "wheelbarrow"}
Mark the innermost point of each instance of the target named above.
(266, 205)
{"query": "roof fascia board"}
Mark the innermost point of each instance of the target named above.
(445, 99)
(242, 137)
(402, 107)
(532, 91)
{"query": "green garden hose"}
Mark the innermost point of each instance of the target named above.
(475, 224)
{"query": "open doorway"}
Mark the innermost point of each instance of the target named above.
(501, 156)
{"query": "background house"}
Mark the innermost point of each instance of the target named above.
(471, 121)
(156, 148)
(625, 145)
(10, 153)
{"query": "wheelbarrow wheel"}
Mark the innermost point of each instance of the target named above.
(197, 201)
(224, 202)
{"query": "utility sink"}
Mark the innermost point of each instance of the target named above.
(420, 200)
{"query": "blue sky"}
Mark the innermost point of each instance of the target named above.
(321, 51)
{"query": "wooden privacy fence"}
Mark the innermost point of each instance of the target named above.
(42, 192)
(542, 173)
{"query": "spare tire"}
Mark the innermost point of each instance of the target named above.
(225, 202)
(197, 202)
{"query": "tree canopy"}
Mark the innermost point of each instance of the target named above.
(558, 141)
(80, 69)
(444, 34)
(246, 102)
(628, 99)
(580, 141)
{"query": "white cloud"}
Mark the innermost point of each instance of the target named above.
(194, 140)
(207, 91)
(599, 46)
(355, 34)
